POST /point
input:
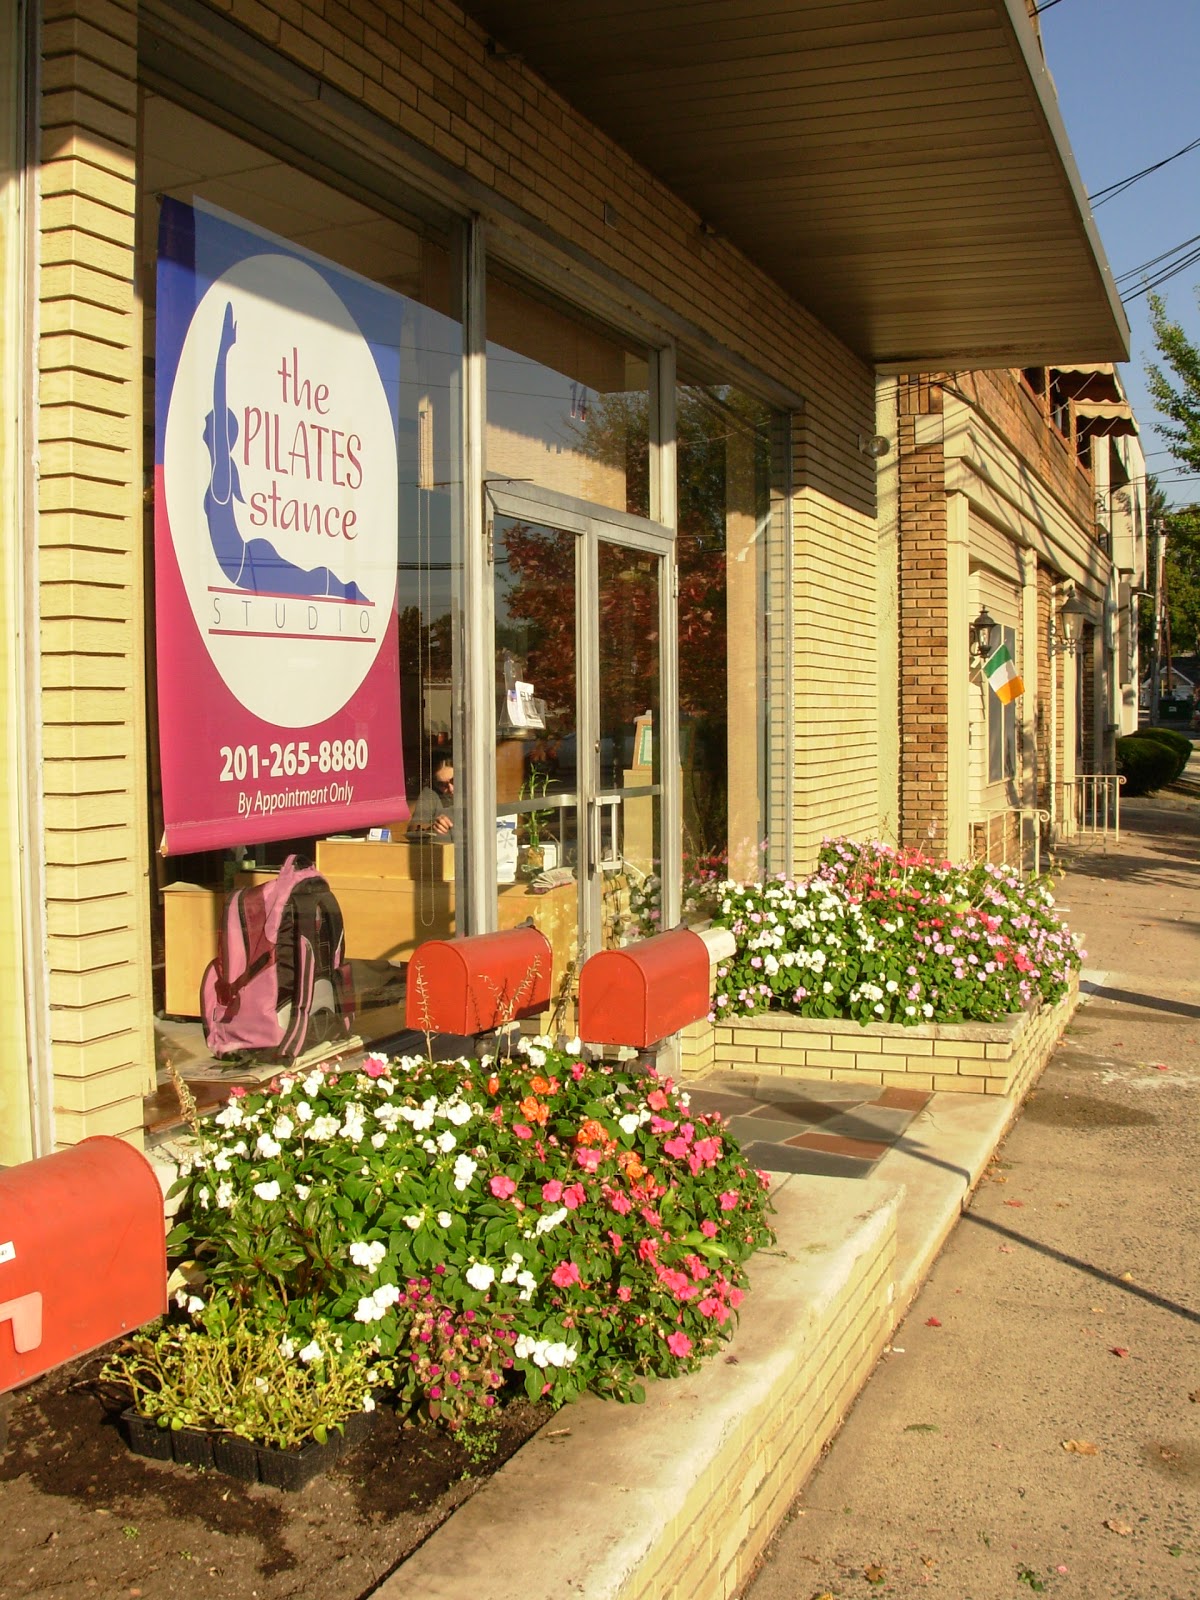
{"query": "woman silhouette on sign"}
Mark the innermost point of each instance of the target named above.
(252, 564)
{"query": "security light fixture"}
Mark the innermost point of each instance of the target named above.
(985, 633)
(874, 445)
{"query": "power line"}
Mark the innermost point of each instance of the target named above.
(1165, 255)
(1167, 272)
(1045, 6)
(1114, 189)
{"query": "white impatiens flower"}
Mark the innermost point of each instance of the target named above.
(303, 1111)
(551, 1220)
(481, 1276)
(367, 1310)
(303, 1190)
(513, 1267)
(370, 1255)
(527, 1283)
(630, 1122)
(544, 1353)
(284, 1128)
(287, 1347)
(313, 1083)
(267, 1191)
(446, 1142)
(324, 1127)
(458, 1112)
(224, 1194)
(414, 1222)
(464, 1171)
(378, 1140)
(230, 1117)
(312, 1352)
(444, 1219)
(267, 1147)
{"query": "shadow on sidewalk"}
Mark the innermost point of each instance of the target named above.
(1087, 1267)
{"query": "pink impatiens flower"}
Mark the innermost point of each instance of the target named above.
(728, 1201)
(565, 1274)
(656, 1100)
(521, 1131)
(552, 1191)
(708, 1229)
(574, 1197)
(679, 1344)
(502, 1187)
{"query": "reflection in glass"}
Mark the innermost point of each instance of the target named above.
(726, 588)
(537, 755)
(567, 402)
(630, 725)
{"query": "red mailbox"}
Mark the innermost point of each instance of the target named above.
(83, 1254)
(639, 995)
(469, 986)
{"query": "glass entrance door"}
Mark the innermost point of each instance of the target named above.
(579, 795)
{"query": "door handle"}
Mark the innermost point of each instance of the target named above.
(593, 836)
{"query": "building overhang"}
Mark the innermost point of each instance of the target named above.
(899, 166)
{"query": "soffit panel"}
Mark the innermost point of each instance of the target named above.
(899, 166)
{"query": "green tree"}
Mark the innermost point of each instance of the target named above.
(1182, 575)
(1175, 385)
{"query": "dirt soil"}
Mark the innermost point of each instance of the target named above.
(81, 1515)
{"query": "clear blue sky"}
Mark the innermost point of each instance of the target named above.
(1127, 74)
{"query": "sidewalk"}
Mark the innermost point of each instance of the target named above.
(675, 1498)
(1036, 1424)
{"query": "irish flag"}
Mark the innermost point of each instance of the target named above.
(1001, 672)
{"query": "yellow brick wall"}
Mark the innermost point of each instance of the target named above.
(15, 1124)
(968, 1058)
(89, 529)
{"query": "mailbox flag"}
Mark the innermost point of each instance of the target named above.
(1002, 675)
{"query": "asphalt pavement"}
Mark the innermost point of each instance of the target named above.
(1034, 1427)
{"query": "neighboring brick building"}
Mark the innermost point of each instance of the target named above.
(1016, 489)
(616, 298)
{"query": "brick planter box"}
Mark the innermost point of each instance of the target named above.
(970, 1057)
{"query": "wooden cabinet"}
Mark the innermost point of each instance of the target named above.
(393, 896)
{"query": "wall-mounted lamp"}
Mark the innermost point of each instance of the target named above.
(875, 445)
(1067, 632)
(985, 634)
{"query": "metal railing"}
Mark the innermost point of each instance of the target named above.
(1011, 836)
(1089, 805)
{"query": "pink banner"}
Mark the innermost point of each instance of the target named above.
(276, 516)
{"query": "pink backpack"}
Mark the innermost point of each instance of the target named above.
(280, 982)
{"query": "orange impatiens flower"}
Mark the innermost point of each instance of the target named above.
(631, 1165)
(534, 1109)
(541, 1085)
(493, 1084)
(593, 1133)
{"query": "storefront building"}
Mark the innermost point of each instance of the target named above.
(395, 385)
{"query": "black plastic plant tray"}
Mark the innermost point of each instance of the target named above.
(292, 1469)
(145, 1438)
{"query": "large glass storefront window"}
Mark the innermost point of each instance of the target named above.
(304, 421)
(731, 651)
(567, 401)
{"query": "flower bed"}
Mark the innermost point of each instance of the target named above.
(882, 935)
(462, 1230)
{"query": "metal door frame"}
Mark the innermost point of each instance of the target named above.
(592, 524)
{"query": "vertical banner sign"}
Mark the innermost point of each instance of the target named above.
(275, 535)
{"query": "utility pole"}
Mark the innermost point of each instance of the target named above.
(1158, 539)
